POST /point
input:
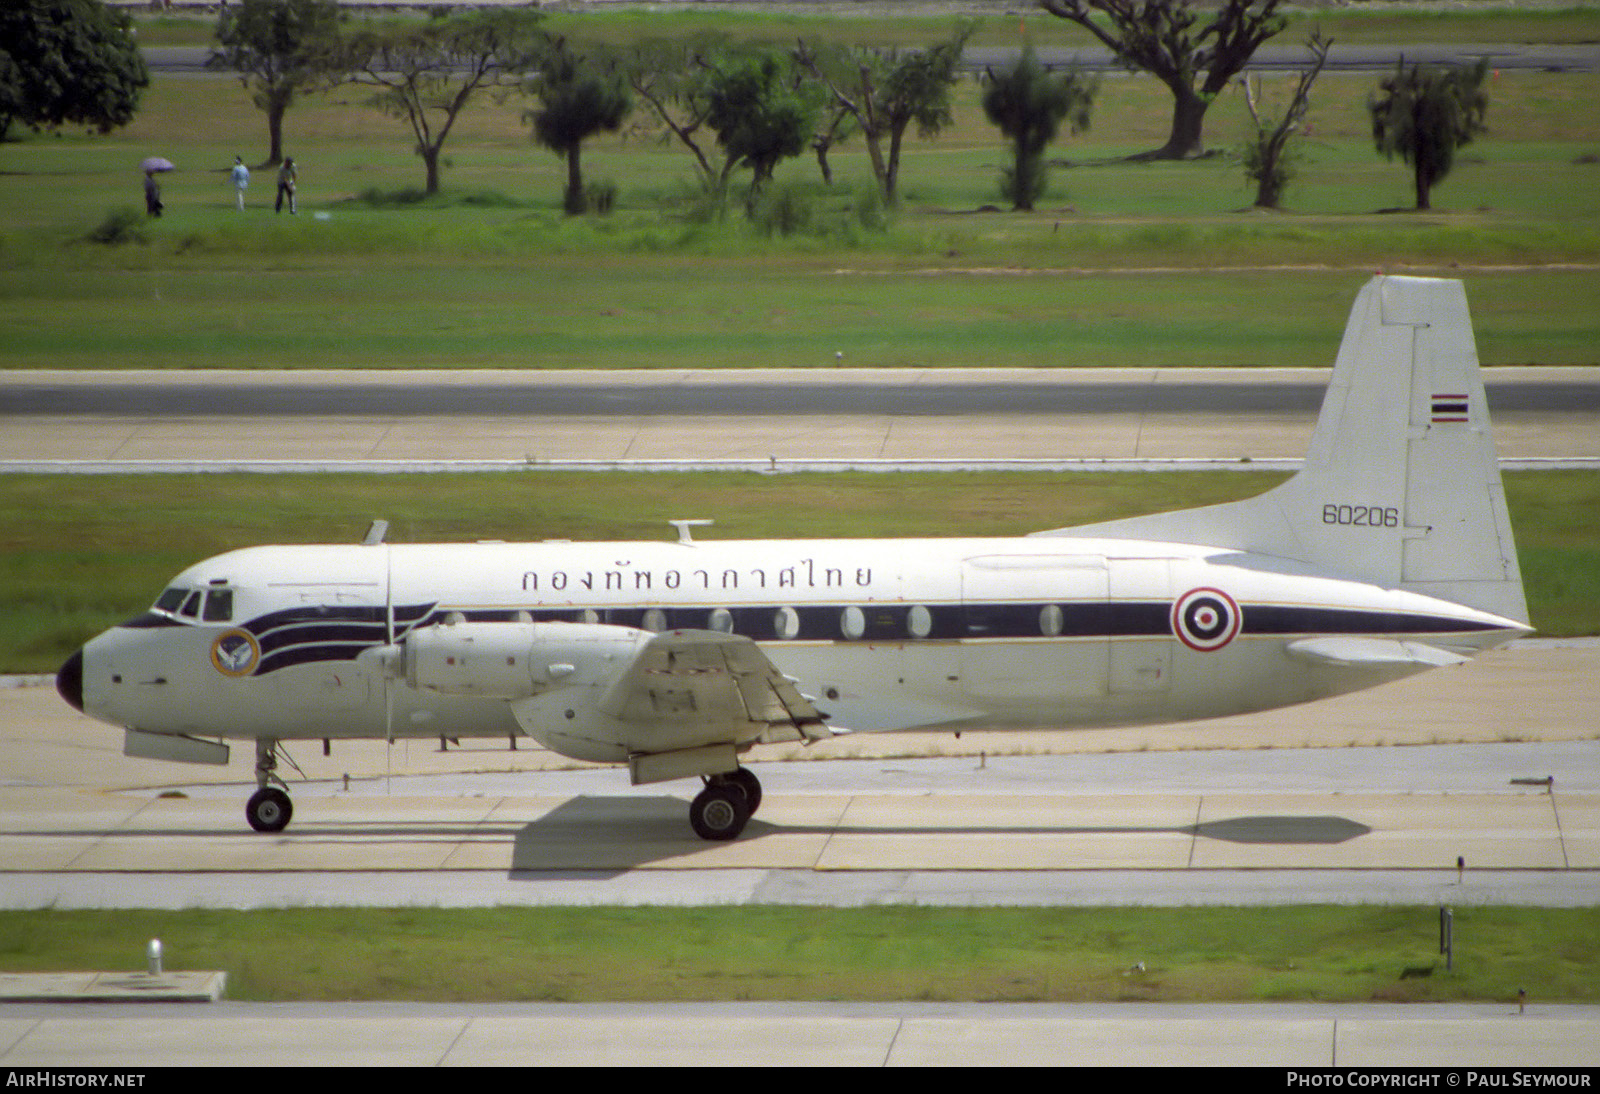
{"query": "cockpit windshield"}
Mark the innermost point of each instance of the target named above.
(213, 605)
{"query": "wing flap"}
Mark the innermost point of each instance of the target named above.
(710, 677)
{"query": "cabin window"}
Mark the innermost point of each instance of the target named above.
(171, 600)
(219, 606)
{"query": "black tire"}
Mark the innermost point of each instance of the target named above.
(746, 780)
(719, 812)
(269, 810)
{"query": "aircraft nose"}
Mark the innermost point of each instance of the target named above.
(69, 681)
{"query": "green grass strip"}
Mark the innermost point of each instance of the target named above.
(1279, 954)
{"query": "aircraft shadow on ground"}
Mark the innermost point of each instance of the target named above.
(597, 834)
(635, 831)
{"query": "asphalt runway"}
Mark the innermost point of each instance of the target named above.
(1272, 56)
(64, 421)
(1023, 393)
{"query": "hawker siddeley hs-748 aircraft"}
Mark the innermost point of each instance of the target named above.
(1390, 552)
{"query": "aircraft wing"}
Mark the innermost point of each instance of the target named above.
(709, 677)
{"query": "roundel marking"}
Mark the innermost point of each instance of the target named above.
(1205, 619)
(235, 653)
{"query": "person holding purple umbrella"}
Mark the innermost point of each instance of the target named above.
(151, 166)
(152, 195)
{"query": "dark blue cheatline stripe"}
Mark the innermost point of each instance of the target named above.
(312, 633)
(309, 634)
(1093, 619)
(301, 636)
(1286, 619)
(300, 655)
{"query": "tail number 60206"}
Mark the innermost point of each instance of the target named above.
(1361, 516)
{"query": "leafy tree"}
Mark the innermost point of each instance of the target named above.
(1167, 39)
(578, 97)
(280, 49)
(1029, 104)
(68, 62)
(886, 90)
(426, 73)
(760, 112)
(834, 126)
(1424, 113)
(1266, 155)
(673, 78)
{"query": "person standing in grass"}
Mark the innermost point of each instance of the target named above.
(152, 194)
(286, 182)
(241, 180)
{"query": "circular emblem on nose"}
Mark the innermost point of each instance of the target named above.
(235, 653)
(1205, 619)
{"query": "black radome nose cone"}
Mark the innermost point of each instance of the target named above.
(69, 681)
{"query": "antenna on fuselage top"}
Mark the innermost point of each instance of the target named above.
(683, 526)
(376, 533)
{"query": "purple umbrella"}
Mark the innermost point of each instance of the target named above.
(151, 164)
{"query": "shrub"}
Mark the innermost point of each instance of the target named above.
(122, 224)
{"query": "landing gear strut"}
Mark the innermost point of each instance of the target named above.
(720, 811)
(269, 808)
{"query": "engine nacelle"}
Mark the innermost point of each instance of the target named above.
(515, 660)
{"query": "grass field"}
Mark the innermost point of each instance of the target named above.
(1161, 258)
(1322, 954)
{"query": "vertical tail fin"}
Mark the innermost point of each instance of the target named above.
(1402, 485)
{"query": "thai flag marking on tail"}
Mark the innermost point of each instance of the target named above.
(1449, 408)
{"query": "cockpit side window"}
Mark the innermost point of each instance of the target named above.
(171, 600)
(219, 606)
(191, 606)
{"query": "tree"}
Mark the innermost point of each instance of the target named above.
(68, 62)
(280, 49)
(1424, 113)
(1029, 104)
(579, 96)
(1266, 158)
(673, 78)
(1166, 39)
(426, 73)
(760, 113)
(886, 90)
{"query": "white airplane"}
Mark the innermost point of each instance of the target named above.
(1388, 554)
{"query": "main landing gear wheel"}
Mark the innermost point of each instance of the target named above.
(269, 810)
(719, 812)
(746, 780)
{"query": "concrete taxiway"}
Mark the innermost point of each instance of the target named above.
(1366, 798)
(1494, 763)
(1454, 1038)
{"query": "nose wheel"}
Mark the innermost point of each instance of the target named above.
(721, 810)
(269, 810)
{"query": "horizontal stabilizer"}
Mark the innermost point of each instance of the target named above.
(1372, 651)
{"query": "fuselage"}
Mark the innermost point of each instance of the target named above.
(302, 641)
